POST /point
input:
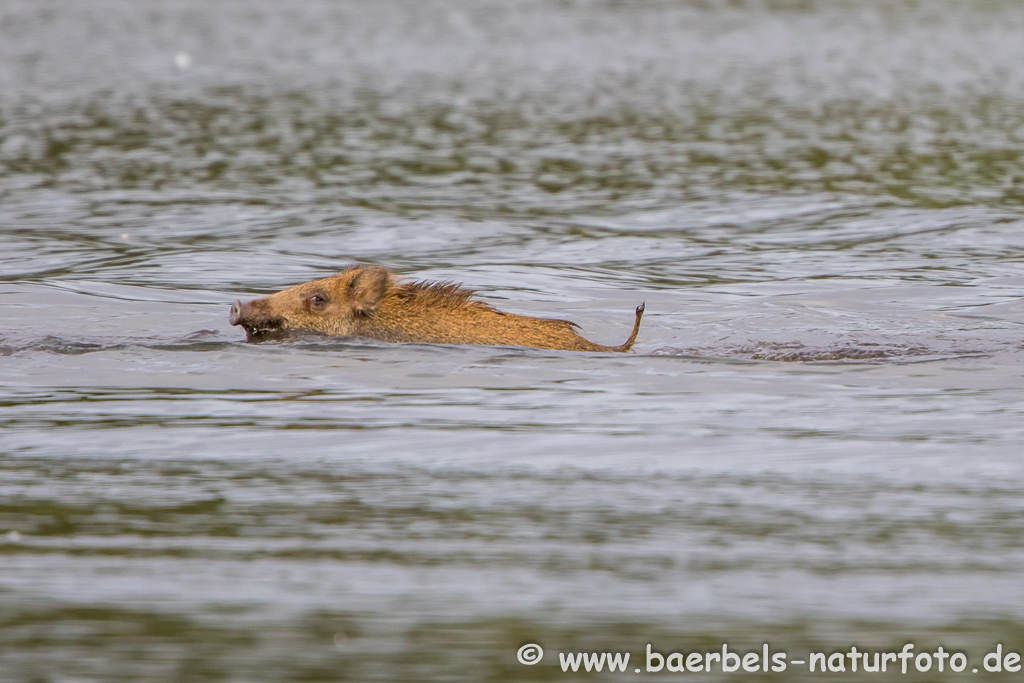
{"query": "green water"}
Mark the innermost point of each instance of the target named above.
(816, 444)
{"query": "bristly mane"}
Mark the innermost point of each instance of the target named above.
(452, 295)
(447, 293)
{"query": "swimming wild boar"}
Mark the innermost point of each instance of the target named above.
(370, 302)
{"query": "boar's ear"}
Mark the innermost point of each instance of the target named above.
(367, 288)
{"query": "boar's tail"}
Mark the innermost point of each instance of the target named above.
(632, 335)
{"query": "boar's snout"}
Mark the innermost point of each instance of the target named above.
(255, 318)
(235, 316)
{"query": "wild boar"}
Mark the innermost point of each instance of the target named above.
(371, 302)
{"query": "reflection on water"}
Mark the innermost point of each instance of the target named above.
(816, 444)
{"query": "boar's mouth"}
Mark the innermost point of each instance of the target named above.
(258, 326)
(262, 334)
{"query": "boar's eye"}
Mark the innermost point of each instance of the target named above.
(317, 300)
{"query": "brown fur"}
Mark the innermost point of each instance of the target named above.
(370, 302)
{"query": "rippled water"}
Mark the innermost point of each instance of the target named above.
(817, 443)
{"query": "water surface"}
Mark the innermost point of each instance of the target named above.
(816, 443)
